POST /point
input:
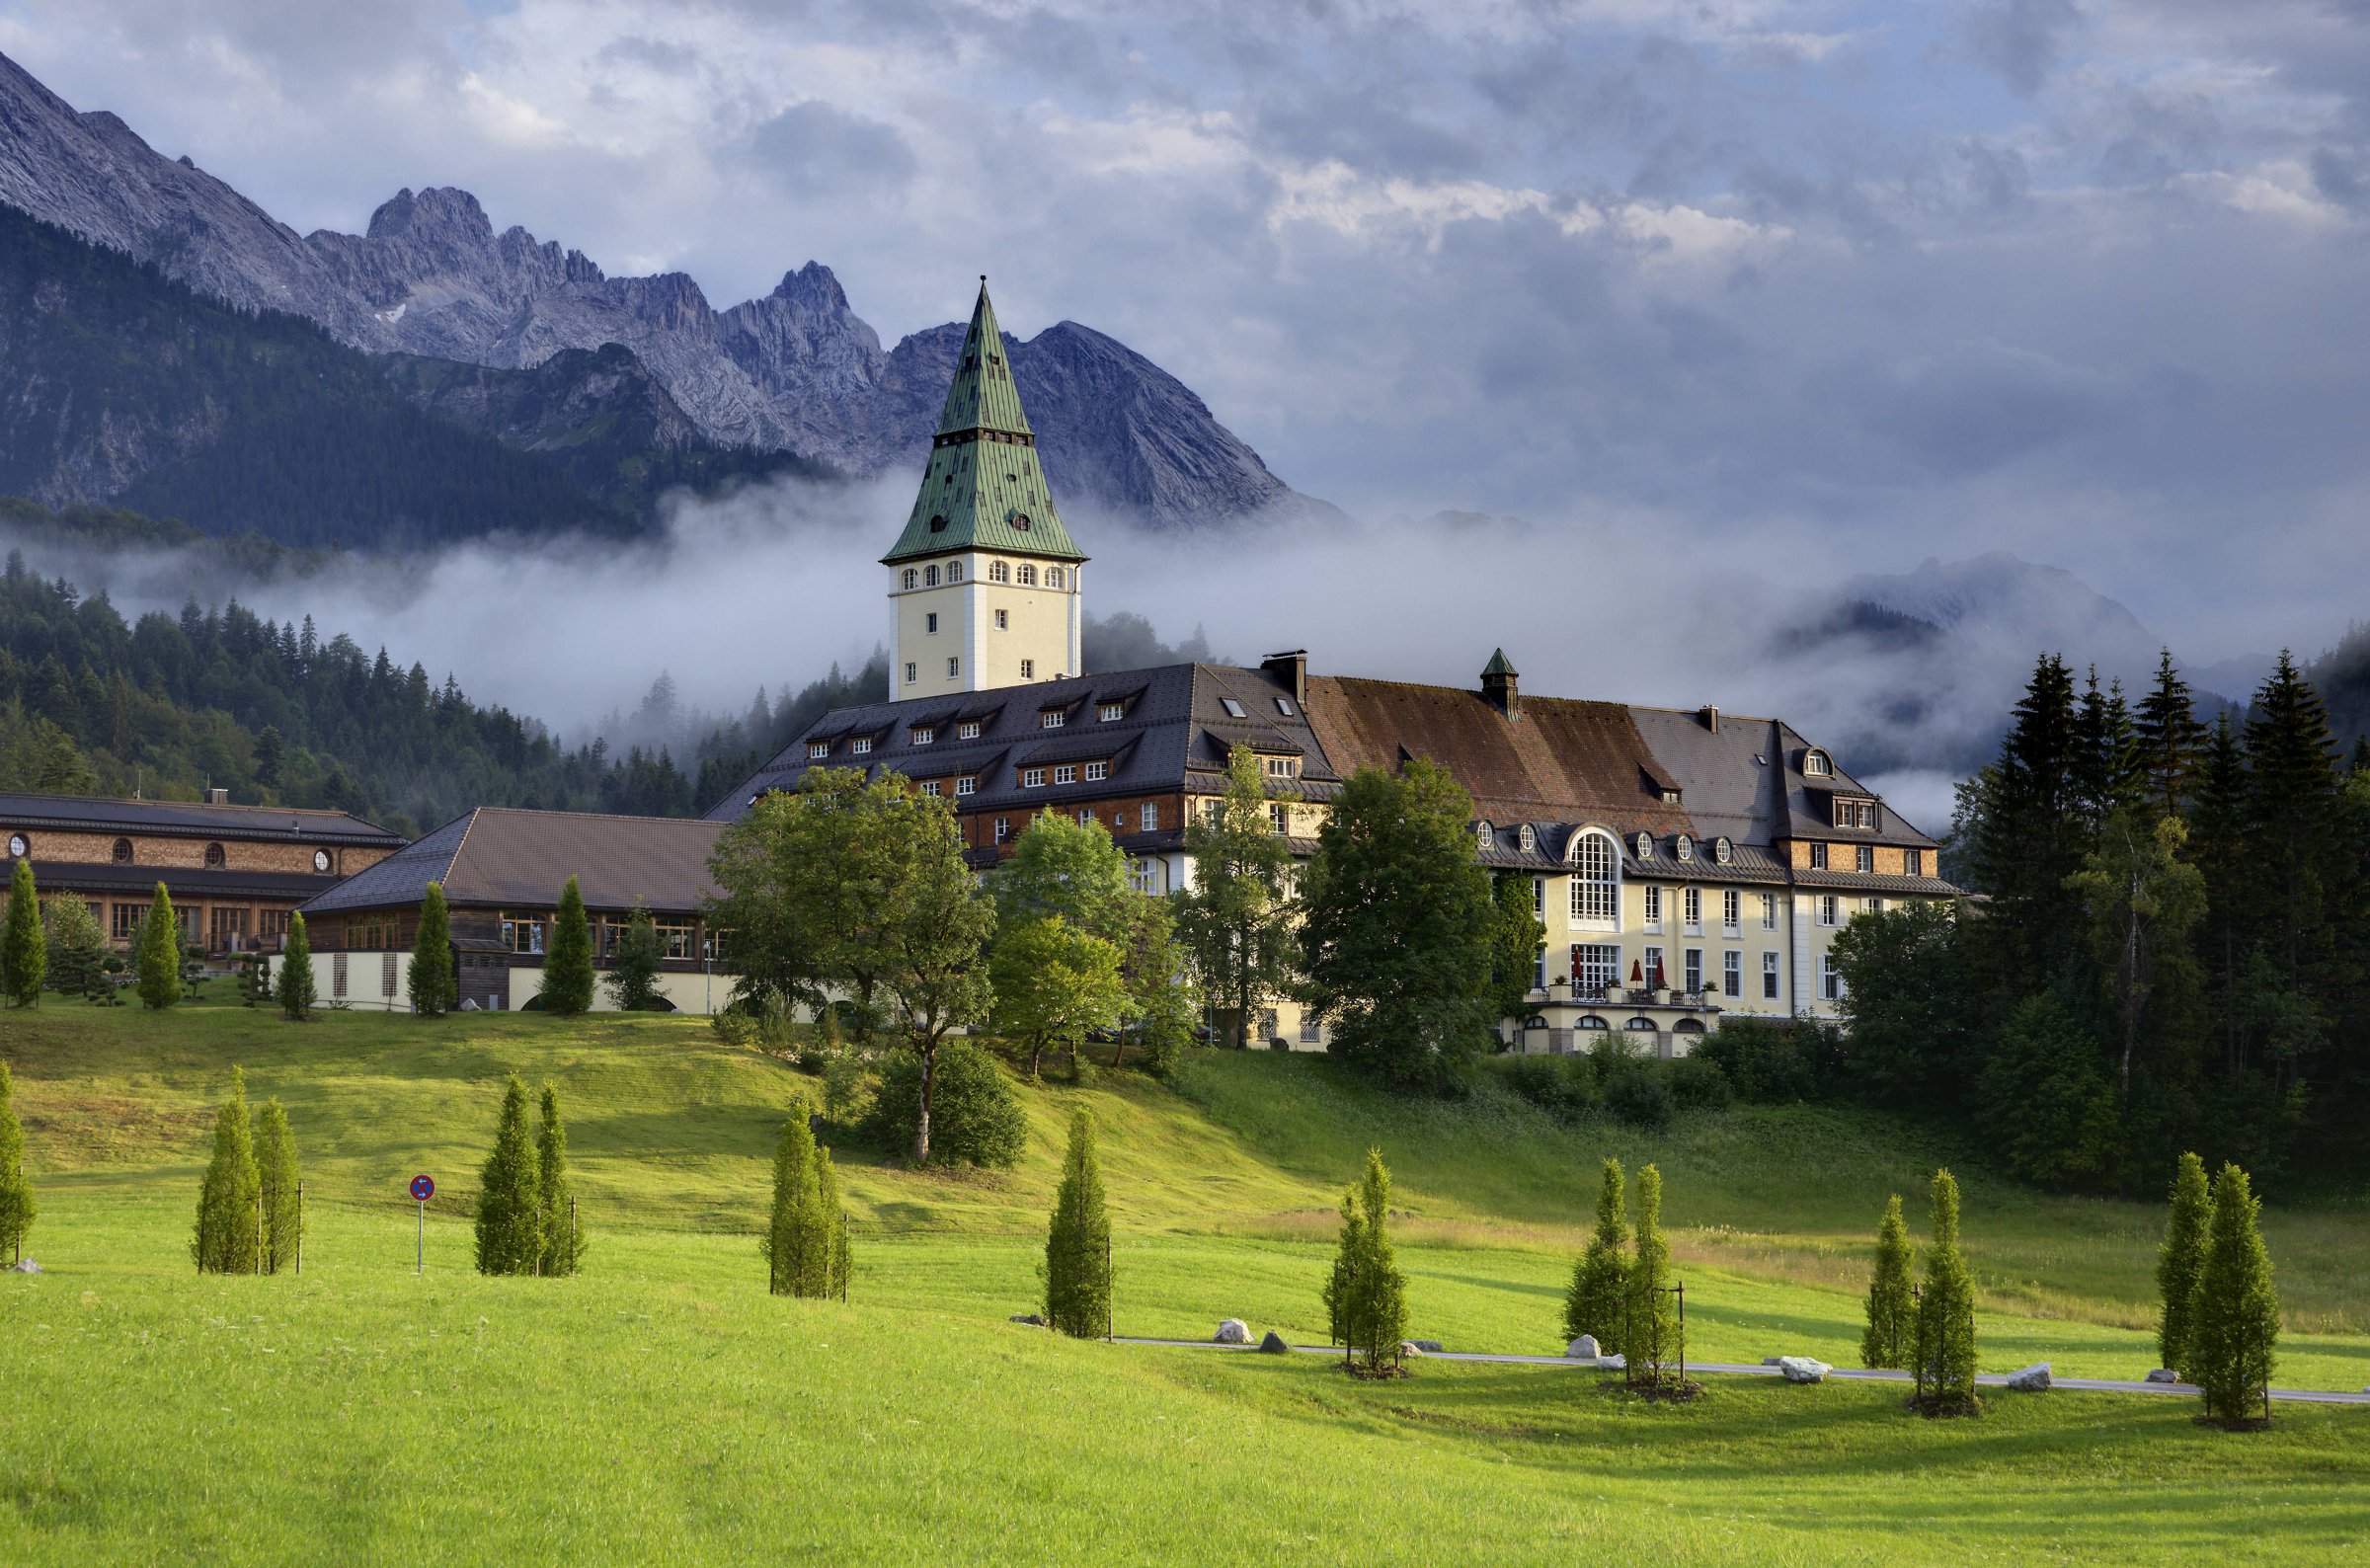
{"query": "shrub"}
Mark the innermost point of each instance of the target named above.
(847, 1088)
(1699, 1085)
(1565, 1088)
(1768, 1062)
(1640, 1093)
(974, 1118)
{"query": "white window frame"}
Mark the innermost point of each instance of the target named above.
(1831, 980)
(1028, 670)
(913, 672)
(1769, 976)
(1053, 719)
(816, 749)
(924, 734)
(1065, 773)
(1003, 829)
(861, 745)
(1653, 908)
(1147, 816)
(1691, 902)
(929, 787)
(1829, 904)
(1595, 966)
(968, 784)
(968, 730)
(1096, 772)
(1818, 856)
(1111, 712)
(1691, 971)
(1031, 778)
(1732, 973)
(1769, 911)
(1732, 912)
(1596, 862)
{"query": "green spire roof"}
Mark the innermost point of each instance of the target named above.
(984, 488)
(1497, 665)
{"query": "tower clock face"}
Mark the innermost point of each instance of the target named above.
(320, 860)
(18, 849)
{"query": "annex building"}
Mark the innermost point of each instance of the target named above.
(234, 873)
(1686, 863)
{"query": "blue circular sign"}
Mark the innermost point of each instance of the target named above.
(424, 1188)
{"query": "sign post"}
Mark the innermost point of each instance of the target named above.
(424, 1187)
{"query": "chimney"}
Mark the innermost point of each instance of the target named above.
(1711, 718)
(1500, 686)
(217, 797)
(1290, 670)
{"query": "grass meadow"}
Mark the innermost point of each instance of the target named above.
(663, 1403)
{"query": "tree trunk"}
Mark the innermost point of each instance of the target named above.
(1036, 1054)
(921, 1123)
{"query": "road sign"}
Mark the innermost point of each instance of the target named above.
(424, 1188)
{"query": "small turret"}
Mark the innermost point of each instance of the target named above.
(1501, 686)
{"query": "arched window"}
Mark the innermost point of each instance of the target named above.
(1688, 1026)
(1686, 847)
(1528, 837)
(929, 577)
(913, 577)
(1722, 850)
(1020, 520)
(1642, 1026)
(1028, 575)
(998, 572)
(938, 524)
(1596, 885)
(1484, 836)
(123, 851)
(1590, 1021)
(213, 858)
(1817, 763)
(954, 571)
(1055, 576)
(1645, 847)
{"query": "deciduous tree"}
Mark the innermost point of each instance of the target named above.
(2143, 899)
(1054, 983)
(1235, 922)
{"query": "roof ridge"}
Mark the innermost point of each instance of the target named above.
(542, 811)
(212, 806)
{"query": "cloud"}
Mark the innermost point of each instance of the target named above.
(2021, 41)
(812, 149)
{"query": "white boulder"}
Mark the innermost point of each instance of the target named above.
(1803, 1369)
(1233, 1331)
(1583, 1348)
(2033, 1380)
(1617, 1361)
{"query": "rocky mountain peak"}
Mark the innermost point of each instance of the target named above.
(812, 286)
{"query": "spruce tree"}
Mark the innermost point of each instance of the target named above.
(1077, 1243)
(1366, 1296)
(78, 950)
(1597, 1299)
(434, 986)
(568, 967)
(1651, 1340)
(2234, 1321)
(24, 945)
(1892, 1308)
(563, 1239)
(799, 1241)
(2168, 738)
(295, 984)
(227, 1239)
(510, 1213)
(835, 1278)
(276, 1171)
(2181, 1259)
(16, 1206)
(157, 954)
(1944, 1349)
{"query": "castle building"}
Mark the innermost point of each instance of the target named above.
(985, 583)
(1687, 864)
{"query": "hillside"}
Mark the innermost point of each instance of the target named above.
(237, 1419)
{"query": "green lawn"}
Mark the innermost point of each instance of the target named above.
(664, 1401)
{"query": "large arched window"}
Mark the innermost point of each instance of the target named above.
(1596, 878)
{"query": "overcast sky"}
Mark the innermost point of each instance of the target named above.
(1795, 283)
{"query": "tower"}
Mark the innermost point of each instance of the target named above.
(984, 583)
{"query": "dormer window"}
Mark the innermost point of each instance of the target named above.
(1861, 814)
(1670, 797)
(1686, 847)
(1096, 772)
(1528, 837)
(1817, 764)
(968, 730)
(1645, 847)
(861, 745)
(1111, 712)
(938, 524)
(1235, 710)
(924, 734)
(1484, 836)
(816, 750)
(1279, 767)
(1031, 778)
(1051, 719)
(1722, 850)
(1020, 520)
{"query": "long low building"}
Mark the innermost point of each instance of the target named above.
(234, 871)
(503, 872)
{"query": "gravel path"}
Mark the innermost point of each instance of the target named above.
(2307, 1397)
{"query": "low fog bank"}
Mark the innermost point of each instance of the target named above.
(773, 585)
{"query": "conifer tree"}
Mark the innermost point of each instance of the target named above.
(24, 945)
(78, 950)
(1597, 1299)
(295, 988)
(229, 1216)
(1077, 1243)
(2168, 738)
(635, 960)
(277, 1175)
(562, 1240)
(1944, 1351)
(1651, 1341)
(1366, 1296)
(2293, 816)
(835, 1217)
(2234, 1321)
(568, 967)
(800, 1243)
(2181, 1259)
(435, 986)
(17, 1207)
(1892, 1308)
(157, 954)
(509, 1211)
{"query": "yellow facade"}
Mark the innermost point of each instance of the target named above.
(980, 619)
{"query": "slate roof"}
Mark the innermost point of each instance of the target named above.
(984, 488)
(182, 881)
(192, 818)
(499, 857)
